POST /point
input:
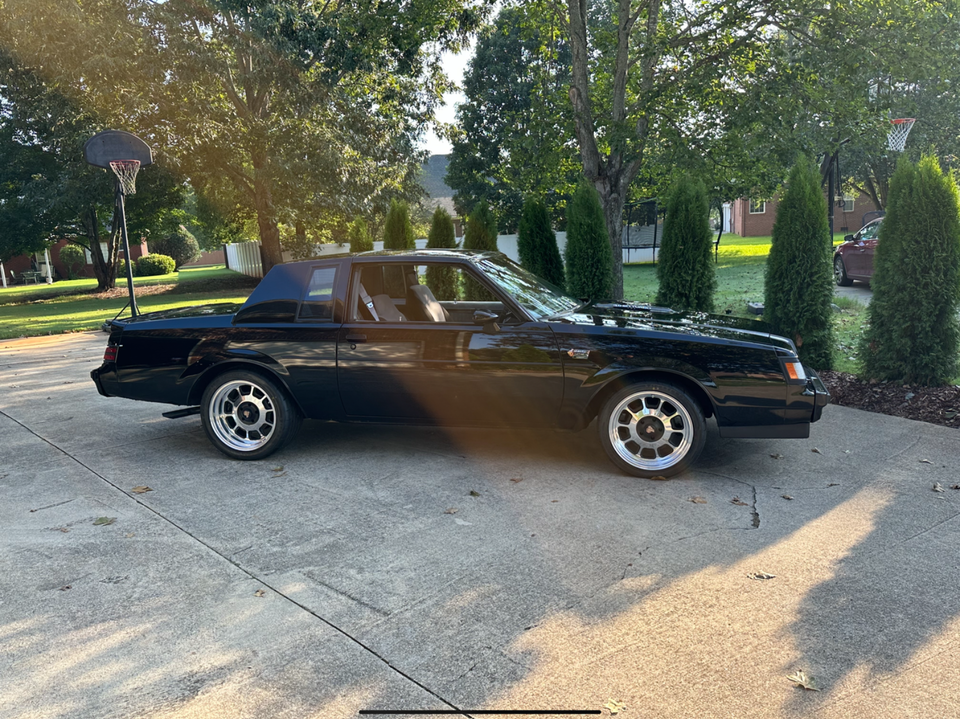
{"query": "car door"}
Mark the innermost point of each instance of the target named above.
(861, 254)
(453, 372)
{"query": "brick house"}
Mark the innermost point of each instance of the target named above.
(22, 263)
(754, 218)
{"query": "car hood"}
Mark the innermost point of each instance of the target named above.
(636, 316)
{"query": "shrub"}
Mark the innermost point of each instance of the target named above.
(537, 243)
(798, 289)
(588, 254)
(481, 235)
(179, 244)
(442, 281)
(913, 329)
(685, 265)
(71, 256)
(397, 231)
(122, 269)
(359, 235)
(155, 264)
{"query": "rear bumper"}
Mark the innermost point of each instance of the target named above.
(103, 377)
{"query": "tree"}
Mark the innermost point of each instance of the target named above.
(294, 110)
(480, 235)
(397, 230)
(913, 331)
(685, 266)
(537, 243)
(359, 235)
(515, 128)
(179, 244)
(588, 255)
(798, 289)
(442, 281)
(72, 257)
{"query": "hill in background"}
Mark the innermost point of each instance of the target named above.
(434, 170)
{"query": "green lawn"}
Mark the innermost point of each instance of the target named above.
(26, 315)
(741, 268)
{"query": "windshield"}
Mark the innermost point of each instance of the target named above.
(537, 296)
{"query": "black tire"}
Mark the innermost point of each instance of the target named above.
(248, 416)
(664, 448)
(840, 272)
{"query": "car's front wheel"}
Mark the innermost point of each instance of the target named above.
(247, 416)
(651, 429)
(840, 272)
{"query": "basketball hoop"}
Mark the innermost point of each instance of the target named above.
(897, 137)
(126, 172)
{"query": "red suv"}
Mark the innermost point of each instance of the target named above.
(853, 260)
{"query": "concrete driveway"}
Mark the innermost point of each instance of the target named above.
(402, 568)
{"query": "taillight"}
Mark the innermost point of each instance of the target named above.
(795, 371)
(110, 354)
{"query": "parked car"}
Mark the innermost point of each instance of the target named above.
(363, 338)
(853, 259)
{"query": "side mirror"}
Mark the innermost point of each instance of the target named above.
(488, 320)
(848, 238)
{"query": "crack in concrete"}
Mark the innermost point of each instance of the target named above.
(343, 632)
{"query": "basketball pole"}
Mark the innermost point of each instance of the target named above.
(126, 248)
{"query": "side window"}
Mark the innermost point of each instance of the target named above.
(317, 304)
(870, 232)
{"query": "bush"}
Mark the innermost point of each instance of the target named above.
(537, 243)
(685, 265)
(359, 235)
(155, 264)
(480, 235)
(179, 244)
(913, 329)
(122, 269)
(397, 231)
(798, 289)
(588, 254)
(442, 281)
(71, 256)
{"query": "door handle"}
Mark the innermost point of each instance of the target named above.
(356, 338)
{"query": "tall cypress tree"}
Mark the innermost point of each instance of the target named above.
(799, 282)
(685, 266)
(359, 235)
(481, 234)
(442, 281)
(588, 254)
(537, 243)
(913, 330)
(397, 230)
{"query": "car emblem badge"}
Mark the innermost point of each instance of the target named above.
(579, 354)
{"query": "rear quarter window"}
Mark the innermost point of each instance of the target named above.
(317, 305)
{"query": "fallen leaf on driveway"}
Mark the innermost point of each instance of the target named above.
(452, 510)
(955, 486)
(739, 502)
(817, 451)
(760, 576)
(833, 484)
(698, 500)
(925, 461)
(516, 479)
(777, 456)
(259, 593)
(278, 469)
(141, 489)
(937, 487)
(282, 474)
(65, 587)
(474, 493)
(659, 478)
(462, 523)
(800, 678)
(130, 535)
(614, 707)
(100, 521)
(786, 496)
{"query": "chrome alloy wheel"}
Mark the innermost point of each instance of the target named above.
(242, 415)
(650, 430)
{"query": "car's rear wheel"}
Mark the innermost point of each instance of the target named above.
(247, 416)
(840, 272)
(651, 429)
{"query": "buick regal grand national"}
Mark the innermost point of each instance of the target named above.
(459, 338)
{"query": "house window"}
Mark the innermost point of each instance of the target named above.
(757, 207)
(848, 201)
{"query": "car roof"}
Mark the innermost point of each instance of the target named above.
(413, 255)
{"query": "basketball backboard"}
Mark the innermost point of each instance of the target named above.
(109, 145)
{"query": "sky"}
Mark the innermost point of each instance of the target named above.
(454, 65)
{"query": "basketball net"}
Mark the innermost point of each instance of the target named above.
(126, 172)
(897, 137)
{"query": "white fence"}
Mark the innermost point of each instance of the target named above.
(245, 256)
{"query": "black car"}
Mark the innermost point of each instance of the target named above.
(460, 338)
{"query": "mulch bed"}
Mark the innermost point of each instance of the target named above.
(937, 405)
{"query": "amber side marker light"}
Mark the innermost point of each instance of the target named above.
(795, 371)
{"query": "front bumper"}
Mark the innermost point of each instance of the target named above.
(818, 390)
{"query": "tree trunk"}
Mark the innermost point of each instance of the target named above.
(612, 201)
(266, 214)
(103, 268)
